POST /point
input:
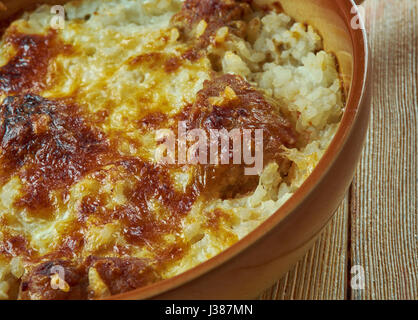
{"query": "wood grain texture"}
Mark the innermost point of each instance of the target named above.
(377, 225)
(321, 274)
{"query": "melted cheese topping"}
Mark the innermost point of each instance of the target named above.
(80, 188)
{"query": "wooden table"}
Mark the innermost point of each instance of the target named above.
(376, 227)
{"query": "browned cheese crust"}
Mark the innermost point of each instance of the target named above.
(51, 144)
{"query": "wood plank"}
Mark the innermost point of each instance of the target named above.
(384, 226)
(321, 274)
(383, 235)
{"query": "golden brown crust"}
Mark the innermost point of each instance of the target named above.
(118, 275)
(27, 70)
(123, 274)
(15, 246)
(49, 145)
(154, 60)
(216, 14)
(37, 134)
(36, 285)
(52, 144)
(246, 109)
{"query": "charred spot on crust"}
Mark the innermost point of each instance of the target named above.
(27, 69)
(48, 144)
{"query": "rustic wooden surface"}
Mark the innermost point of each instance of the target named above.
(376, 226)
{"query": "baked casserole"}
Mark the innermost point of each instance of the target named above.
(86, 208)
